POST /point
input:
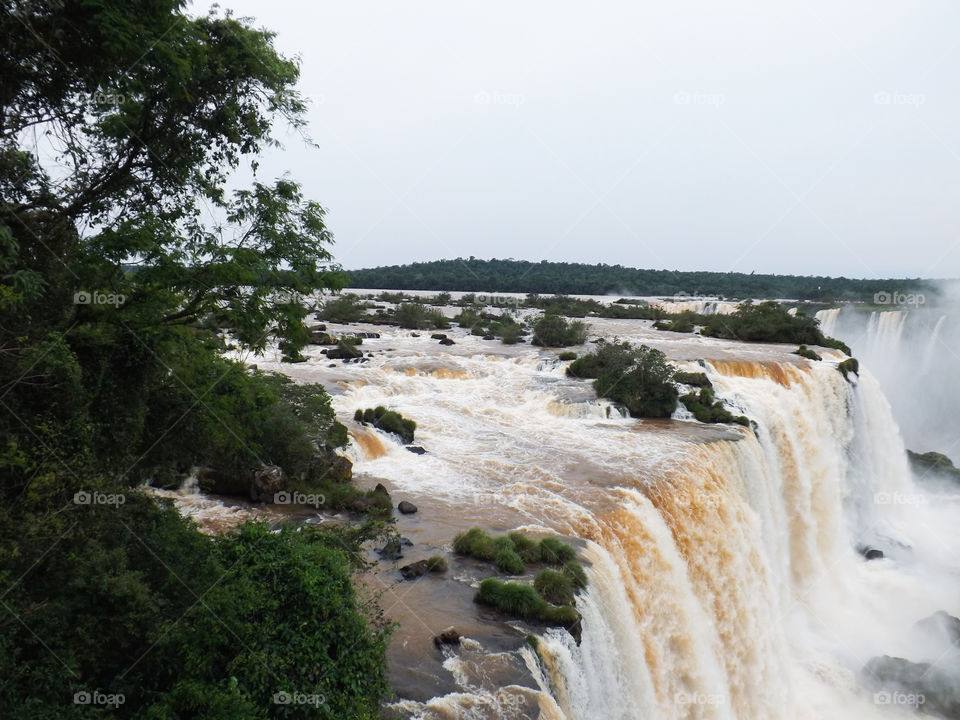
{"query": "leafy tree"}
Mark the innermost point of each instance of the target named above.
(638, 378)
(125, 251)
(552, 330)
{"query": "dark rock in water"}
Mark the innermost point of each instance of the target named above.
(438, 336)
(489, 337)
(344, 351)
(322, 338)
(393, 550)
(940, 628)
(872, 553)
(416, 449)
(447, 341)
(414, 334)
(415, 570)
(450, 636)
(332, 365)
(930, 688)
(381, 489)
(367, 335)
(407, 508)
(369, 354)
(318, 328)
(405, 541)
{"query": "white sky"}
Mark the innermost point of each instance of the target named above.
(816, 137)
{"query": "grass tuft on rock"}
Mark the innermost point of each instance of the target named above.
(509, 562)
(556, 552)
(554, 586)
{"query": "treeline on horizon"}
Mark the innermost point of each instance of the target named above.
(522, 276)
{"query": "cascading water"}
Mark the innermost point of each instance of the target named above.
(725, 580)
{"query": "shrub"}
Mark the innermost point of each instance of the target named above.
(437, 564)
(697, 379)
(568, 355)
(388, 421)
(509, 562)
(343, 309)
(850, 365)
(805, 352)
(563, 615)
(468, 318)
(515, 599)
(511, 334)
(576, 573)
(551, 330)
(475, 543)
(556, 552)
(768, 322)
(638, 378)
(554, 586)
(527, 549)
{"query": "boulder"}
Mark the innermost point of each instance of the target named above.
(407, 508)
(930, 688)
(447, 341)
(450, 636)
(267, 481)
(489, 337)
(415, 570)
(416, 449)
(392, 550)
(438, 336)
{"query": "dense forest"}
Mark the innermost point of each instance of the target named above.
(474, 275)
(120, 126)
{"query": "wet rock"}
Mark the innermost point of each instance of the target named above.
(489, 337)
(414, 334)
(344, 351)
(447, 341)
(317, 328)
(405, 541)
(381, 489)
(450, 636)
(438, 336)
(932, 688)
(941, 629)
(416, 449)
(407, 508)
(415, 570)
(367, 335)
(322, 338)
(872, 553)
(392, 550)
(332, 365)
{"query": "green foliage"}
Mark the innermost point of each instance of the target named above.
(115, 289)
(556, 552)
(850, 365)
(417, 316)
(475, 543)
(114, 606)
(389, 421)
(697, 379)
(514, 599)
(552, 330)
(805, 352)
(437, 564)
(521, 276)
(708, 409)
(343, 309)
(527, 548)
(576, 573)
(932, 463)
(682, 323)
(509, 562)
(768, 322)
(554, 586)
(567, 355)
(638, 378)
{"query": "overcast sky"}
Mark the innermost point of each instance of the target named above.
(813, 137)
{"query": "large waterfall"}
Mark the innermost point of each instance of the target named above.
(725, 576)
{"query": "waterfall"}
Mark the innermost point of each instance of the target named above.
(828, 321)
(725, 577)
